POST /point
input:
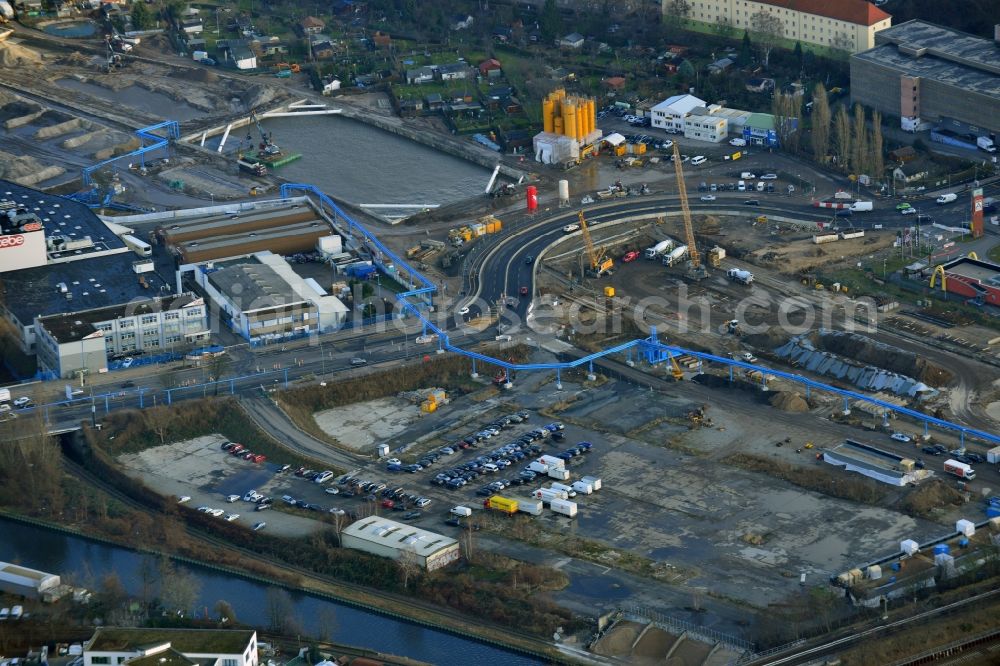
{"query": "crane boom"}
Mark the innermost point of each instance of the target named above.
(588, 242)
(685, 210)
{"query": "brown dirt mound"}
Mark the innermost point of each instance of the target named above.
(618, 641)
(199, 75)
(868, 351)
(773, 338)
(929, 496)
(789, 401)
(15, 55)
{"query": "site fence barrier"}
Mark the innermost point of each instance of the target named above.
(679, 626)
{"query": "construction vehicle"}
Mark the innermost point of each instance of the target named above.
(675, 368)
(600, 262)
(253, 168)
(715, 256)
(266, 147)
(695, 269)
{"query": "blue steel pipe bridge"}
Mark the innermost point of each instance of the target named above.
(650, 349)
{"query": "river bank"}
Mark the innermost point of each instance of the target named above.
(441, 638)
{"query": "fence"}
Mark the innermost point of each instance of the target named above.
(678, 626)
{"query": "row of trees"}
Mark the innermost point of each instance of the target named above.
(857, 142)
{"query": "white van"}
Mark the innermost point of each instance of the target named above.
(761, 185)
(741, 186)
(698, 160)
(463, 511)
(747, 175)
(737, 142)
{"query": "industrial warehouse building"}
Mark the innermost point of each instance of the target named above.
(919, 71)
(285, 228)
(973, 279)
(62, 263)
(263, 299)
(25, 582)
(116, 646)
(387, 538)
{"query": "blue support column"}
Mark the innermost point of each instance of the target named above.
(730, 374)
(141, 391)
(232, 387)
(926, 429)
(107, 405)
(170, 397)
(474, 373)
(558, 379)
(285, 371)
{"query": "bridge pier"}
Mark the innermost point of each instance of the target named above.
(475, 375)
(558, 379)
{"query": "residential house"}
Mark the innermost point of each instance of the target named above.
(502, 34)
(322, 50)
(720, 66)
(331, 86)
(911, 171)
(759, 85)
(240, 53)
(419, 75)
(669, 114)
(452, 72)
(311, 25)
(512, 106)
(490, 68)
(381, 39)
(845, 24)
(614, 83)
(433, 102)
(574, 40)
(411, 107)
(461, 22)
(192, 26)
(365, 80)
(903, 154)
(515, 140)
(269, 47)
(196, 44)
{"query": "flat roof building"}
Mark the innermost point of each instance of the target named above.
(922, 71)
(848, 25)
(670, 113)
(113, 646)
(973, 278)
(387, 538)
(264, 299)
(872, 462)
(25, 582)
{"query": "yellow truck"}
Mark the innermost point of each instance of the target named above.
(503, 504)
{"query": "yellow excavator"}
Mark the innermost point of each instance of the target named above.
(600, 263)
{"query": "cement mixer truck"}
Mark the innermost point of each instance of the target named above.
(658, 249)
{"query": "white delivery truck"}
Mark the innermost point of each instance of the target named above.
(539, 467)
(530, 506)
(993, 455)
(547, 495)
(570, 492)
(564, 507)
(552, 461)
(559, 474)
(986, 143)
(594, 481)
(583, 487)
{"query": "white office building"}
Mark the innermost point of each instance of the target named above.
(115, 646)
(669, 114)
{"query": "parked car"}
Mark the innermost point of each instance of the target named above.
(630, 256)
(708, 197)
(259, 526)
(900, 437)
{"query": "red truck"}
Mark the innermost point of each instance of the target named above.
(961, 470)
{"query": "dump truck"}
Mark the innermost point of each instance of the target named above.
(961, 470)
(739, 275)
(501, 504)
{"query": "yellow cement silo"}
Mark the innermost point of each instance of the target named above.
(569, 118)
(547, 119)
(557, 125)
(581, 119)
(591, 115)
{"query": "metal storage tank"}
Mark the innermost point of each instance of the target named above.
(547, 110)
(563, 191)
(569, 119)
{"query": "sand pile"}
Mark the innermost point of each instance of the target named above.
(26, 170)
(789, 401)
(15, 55)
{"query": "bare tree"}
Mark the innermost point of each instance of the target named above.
(785, 109)
(159, 420)
(876, 156)
(820, 124)
(859, 142)
(675, 12)
(842, 138)
(280, 611)
(768, 29)
(225, 611)
(409, 565)
(842, 42)
(180, 592)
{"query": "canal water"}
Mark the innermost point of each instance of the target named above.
(86, 562)
(361, 164)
